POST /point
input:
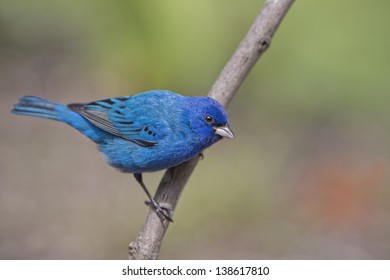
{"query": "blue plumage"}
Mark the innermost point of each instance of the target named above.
(146, 132)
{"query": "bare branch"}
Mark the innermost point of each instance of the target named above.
(254, 44)
(149, 238)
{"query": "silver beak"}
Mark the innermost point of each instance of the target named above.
(224, 131)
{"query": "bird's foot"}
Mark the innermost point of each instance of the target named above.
(201, 156)
(162, 212)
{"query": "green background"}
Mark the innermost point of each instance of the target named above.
(307, 176)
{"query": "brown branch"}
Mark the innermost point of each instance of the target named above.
(254, 44)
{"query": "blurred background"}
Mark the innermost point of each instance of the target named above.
(307, 176)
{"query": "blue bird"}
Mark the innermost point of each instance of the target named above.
(146, 132)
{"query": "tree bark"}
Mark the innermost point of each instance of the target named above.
(255, 43)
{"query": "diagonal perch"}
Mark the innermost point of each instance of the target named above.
(254, 44)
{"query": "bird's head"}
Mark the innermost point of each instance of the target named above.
(208, 119)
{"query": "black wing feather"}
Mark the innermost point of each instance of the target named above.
(100, 119)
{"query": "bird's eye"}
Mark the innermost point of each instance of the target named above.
(209, 119)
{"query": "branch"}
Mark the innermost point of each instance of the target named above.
(254, 44)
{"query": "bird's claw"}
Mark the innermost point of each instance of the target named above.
(162, 212)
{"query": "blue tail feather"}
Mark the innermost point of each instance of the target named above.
(42, 108)
(36, 107)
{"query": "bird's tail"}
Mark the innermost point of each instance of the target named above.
(38, 107)
(42, 108)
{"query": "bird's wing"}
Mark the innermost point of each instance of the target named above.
(115, 116)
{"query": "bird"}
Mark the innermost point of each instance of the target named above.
(145, 132)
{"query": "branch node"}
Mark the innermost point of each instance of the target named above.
(263, 44)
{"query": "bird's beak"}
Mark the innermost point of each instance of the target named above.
(224, 131)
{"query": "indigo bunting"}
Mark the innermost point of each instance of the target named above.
(146, 132)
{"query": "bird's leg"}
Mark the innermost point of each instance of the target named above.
(161, 211)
